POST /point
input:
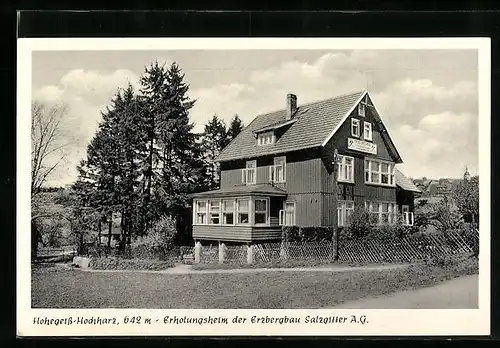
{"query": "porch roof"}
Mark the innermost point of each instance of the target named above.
(244, 190)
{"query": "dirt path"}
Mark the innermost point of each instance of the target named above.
(460, 292)
(188, 269)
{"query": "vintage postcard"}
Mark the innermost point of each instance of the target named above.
(240, 187)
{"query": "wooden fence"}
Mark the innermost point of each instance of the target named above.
(401, 250)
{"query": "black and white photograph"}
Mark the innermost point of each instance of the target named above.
(275, 186)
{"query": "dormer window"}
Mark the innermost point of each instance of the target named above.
(355, 128)
(266, 138)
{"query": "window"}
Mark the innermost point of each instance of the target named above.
(362, 106)
(277, 171)
(242, 205)
(214, 212)
(287, 215)
(407, 215)
(228, 212)
(344, 211)
(355, 128)
(260, 211)
(379, 172)
(249, 173)
(381, 212)
(367, 133)
(361, 109)
(345, 168)
(266, 138)
(201, 212)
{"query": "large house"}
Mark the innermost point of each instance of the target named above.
(306, 165)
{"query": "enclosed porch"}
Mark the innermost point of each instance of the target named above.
(241, 214)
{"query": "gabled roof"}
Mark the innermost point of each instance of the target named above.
(313, 126)
(242, 190)
(405, 183)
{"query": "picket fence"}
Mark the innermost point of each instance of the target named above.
(408, 249)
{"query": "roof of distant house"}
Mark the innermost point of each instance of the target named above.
(311, 126)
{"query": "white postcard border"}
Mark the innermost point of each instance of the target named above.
(380, 322)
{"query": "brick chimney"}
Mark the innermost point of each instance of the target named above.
(291, 105)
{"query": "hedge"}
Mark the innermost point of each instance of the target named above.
(307, 234)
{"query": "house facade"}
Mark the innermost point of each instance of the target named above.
(306, 165)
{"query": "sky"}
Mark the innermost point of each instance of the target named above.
(428, 99)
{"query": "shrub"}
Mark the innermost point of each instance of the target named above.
(360, 225)
(307, 234)
(159, 240)
(110, 263)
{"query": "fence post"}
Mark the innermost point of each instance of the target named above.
(222, 249)
(335, 240)
(250, 254)
(284, 250)
(197, 252)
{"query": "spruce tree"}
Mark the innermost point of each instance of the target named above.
(235, 127)
(214, 139)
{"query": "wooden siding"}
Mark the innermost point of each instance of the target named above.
(339, 140)
(359, 191)
(236, 233)
(303, 172)
(307, 208)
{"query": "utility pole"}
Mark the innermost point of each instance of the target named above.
(335, 203)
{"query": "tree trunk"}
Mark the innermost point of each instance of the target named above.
(110, 226)
(121, 247)
(99, 233)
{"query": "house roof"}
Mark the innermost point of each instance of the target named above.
(315, 124)
(405, 183)
(244, 190)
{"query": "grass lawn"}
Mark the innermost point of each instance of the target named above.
(54, 287)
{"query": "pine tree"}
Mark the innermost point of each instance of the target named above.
(235, 127)
(213, 140)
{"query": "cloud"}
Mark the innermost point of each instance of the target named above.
(433, 120)
(86, 93)
(431, 112)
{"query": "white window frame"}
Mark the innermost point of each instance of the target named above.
(342, 165)
(283, 221)
(407, 215)
(367, 135)
(345, 208)
(196, 212)
(355, 121)
(369, 171)
(391, 211)
(362, 109)
(238, 212)
(362, 106)
(250, 166)
(210, 217)
(266, 138)
(225, 211)
(273, 168)
(266, 211)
